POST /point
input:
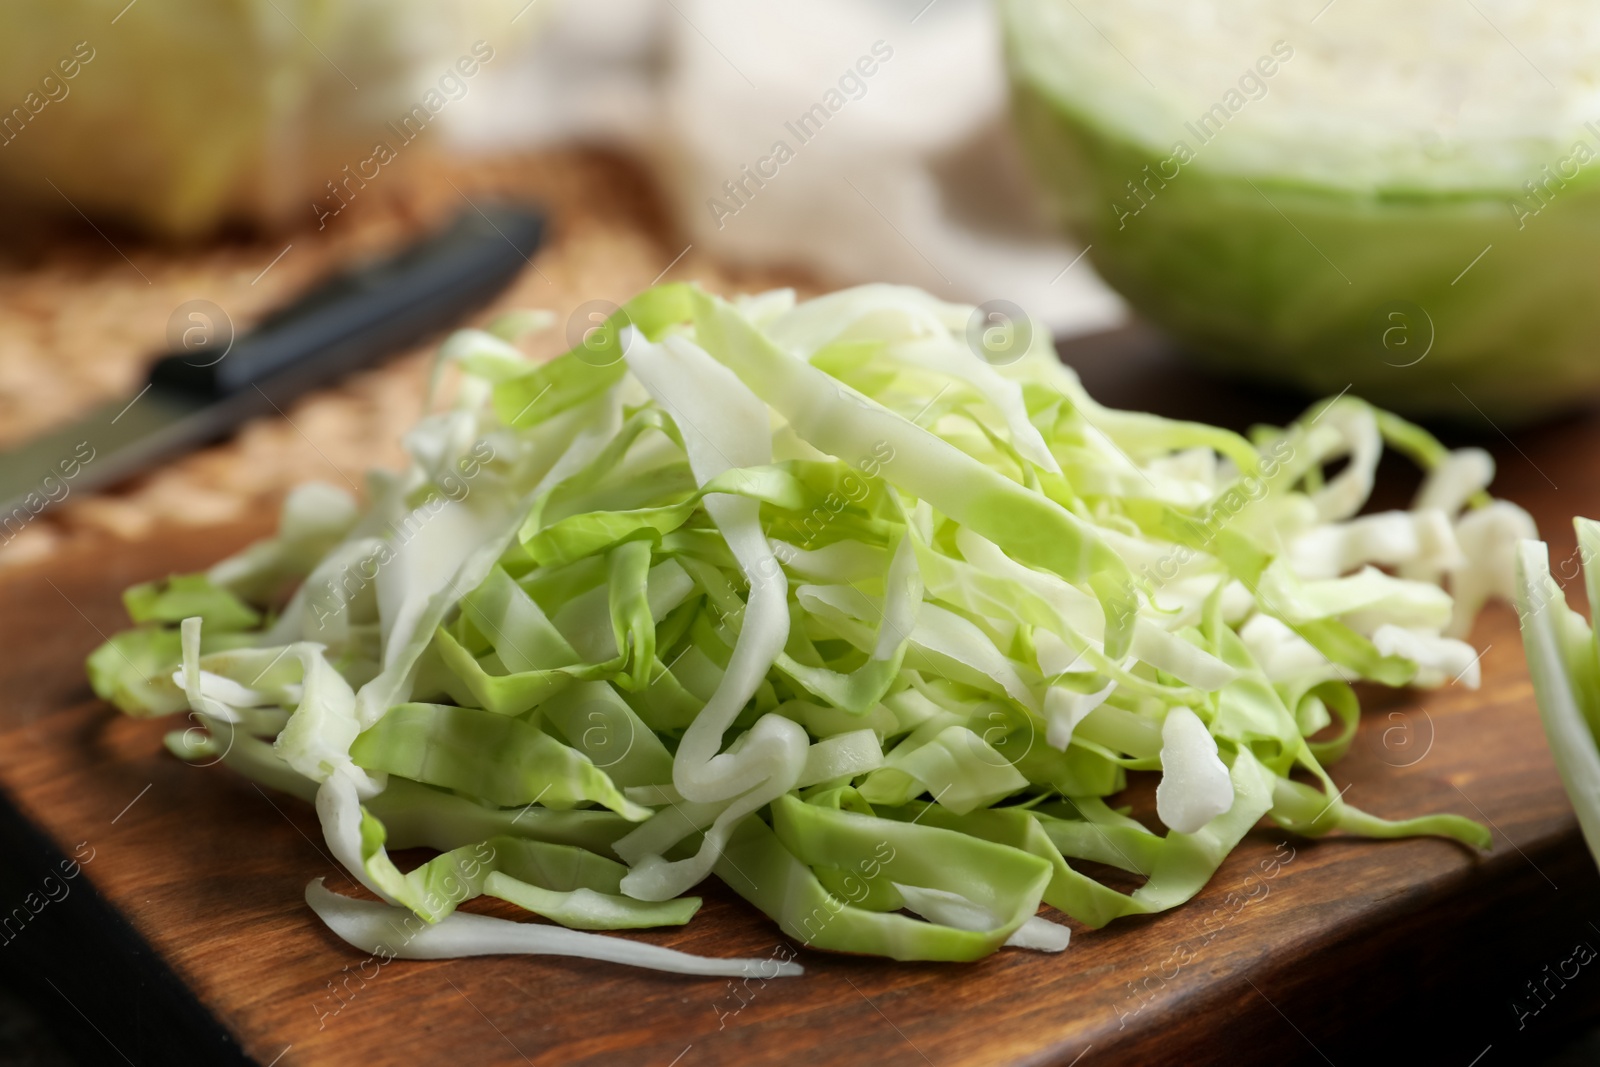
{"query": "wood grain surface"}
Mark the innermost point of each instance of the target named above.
(1356, 950)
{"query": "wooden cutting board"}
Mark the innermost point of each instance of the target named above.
(184, 938)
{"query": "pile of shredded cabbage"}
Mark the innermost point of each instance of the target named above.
(813, 598)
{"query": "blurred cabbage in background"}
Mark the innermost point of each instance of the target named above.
(1400, 200)
(180, 115)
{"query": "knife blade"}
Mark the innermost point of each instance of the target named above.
(197, 395)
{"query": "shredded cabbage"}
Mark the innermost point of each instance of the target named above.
(811, 597)
(1565, 667)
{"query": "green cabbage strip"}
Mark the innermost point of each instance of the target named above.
(810, 597)
(1563, 661)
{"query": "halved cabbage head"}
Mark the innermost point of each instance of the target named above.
(1308, 194)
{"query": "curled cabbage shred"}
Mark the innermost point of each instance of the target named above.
(810, 597)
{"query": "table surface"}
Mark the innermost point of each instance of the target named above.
(1357, 947)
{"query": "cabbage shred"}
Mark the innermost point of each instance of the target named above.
(811, 597)
(1564, 663)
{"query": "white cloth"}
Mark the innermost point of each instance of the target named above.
(908, 173)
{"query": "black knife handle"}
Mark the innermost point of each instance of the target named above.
(357, 317)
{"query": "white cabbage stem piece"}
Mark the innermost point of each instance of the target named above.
(1195, 787)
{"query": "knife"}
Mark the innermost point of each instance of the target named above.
(198, 395)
